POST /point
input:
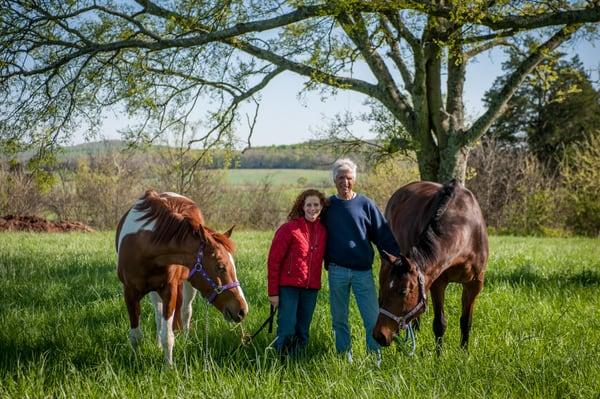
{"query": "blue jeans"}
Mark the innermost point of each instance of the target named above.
(341, 280)
(296, 308)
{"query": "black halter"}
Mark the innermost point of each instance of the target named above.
(422, 304)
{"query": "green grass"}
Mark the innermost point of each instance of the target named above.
(280, 177)
(63, 331)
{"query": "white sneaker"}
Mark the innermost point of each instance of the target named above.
(378, 359)
(349, 356)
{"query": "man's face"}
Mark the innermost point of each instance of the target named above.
(344, 183)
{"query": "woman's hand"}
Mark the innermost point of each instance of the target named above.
(274, 300)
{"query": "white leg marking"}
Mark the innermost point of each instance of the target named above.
(168, 339)
(135, 336)
(131, 225)
(158, 314)
(189, 293)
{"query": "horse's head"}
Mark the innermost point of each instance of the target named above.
(401, 297)
(218, 283)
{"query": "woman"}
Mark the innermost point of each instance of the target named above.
(294, 270)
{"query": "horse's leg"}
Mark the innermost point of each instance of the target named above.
(169, 298)
(158, 314)
(177, 323)
(438, 290)
(189, 293)
(470, 292)
(132, 301)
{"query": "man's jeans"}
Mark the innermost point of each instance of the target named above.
(296, 308)
(341, 280)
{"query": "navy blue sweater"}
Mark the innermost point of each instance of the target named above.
(352, 225)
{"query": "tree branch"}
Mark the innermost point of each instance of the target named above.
(484, 47)
(396, 102)
(357, 85)
(396, 56)
(516, 78)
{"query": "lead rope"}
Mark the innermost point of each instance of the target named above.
(410, 336)
(206, 336)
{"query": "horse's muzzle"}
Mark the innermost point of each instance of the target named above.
(236, 315)
(383, 338)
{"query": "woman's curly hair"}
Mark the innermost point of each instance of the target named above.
(297, 209)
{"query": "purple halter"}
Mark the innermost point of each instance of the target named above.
(217, 289)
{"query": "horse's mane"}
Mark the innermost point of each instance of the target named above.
(426, 249)
(176, 218)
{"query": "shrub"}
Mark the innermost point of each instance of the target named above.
(580, 172)
(19, 191)
(515, 192)
(383, 179)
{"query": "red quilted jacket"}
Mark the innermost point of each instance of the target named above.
(296, 255)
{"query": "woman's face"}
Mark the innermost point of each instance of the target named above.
(312, 208)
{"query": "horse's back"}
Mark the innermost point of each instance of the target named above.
(408, 209)
(412, 207)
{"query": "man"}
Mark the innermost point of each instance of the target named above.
(353, 222)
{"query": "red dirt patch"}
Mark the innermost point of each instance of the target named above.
(40, 225)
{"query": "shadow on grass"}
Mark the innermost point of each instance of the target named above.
(57, 349)
(527, 276)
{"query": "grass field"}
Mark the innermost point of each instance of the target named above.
(280, 177)
(63, 331)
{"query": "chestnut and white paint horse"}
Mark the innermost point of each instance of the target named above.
(163, 248)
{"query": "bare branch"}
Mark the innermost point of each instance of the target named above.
(396, 101)
(395, 55)
(403, 31)
(484, 47)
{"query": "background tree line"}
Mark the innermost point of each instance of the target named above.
(517, 192)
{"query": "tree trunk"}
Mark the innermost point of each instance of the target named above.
(453, 161)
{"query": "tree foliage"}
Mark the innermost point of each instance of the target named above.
(63, 62)
(556, 107)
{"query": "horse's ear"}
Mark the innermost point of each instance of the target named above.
(389, 257)
(228, 232)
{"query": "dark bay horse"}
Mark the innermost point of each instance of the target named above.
(163, 248)
(443, 238)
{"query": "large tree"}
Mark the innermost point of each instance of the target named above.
(62, 62)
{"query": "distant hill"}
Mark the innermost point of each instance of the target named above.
(309, 155)
(95, 147)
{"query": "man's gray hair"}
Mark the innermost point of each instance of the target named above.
(343, 164)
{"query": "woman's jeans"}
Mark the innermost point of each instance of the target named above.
(296, 308)
(341, 280)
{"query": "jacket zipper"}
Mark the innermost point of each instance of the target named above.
(290, 267)
(311, 250)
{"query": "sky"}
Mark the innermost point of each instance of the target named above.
(287, 118)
